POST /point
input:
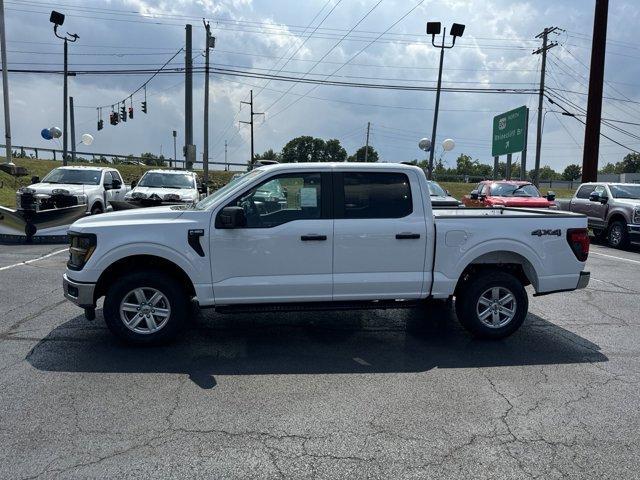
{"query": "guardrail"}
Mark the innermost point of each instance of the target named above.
(21, 152)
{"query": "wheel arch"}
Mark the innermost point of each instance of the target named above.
(133, 262)
(616, 216)
(508, 261)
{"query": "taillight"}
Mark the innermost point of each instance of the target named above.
(578, 239)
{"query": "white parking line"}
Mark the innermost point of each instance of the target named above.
(26, 262)
(613, 256)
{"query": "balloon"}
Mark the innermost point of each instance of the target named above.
(46, 134)
(424, 144)
(55, 132)
(87, 139)
(448, 144)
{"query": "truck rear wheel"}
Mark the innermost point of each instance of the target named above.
(492, 304)
(146, 308)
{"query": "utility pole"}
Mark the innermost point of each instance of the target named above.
(210, 43)
(189, 148)
(73, 130)
(366, 150)
(543, 50)
(226, 166)
(5, 88)
(250, 122)
(175, 151)
(594, 103)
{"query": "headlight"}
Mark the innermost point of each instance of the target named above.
(81, 247)
(26, 190)
(171, 197)
(60, 191)
(187, 198)
(636, 215)
(553, 206)
(82, 199)
(138, 195)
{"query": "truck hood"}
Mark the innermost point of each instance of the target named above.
(161, 192)
(632, 202)
(72, 189)
(531, 202)
(135, 217)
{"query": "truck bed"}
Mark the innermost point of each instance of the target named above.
(533, 238)
(500, 212)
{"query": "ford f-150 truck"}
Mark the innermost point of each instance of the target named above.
(613, 210)
(166, 186)
(63, 187)
(346, 235)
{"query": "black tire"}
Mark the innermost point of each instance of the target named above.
(175, 303)
(96, 209)
(468, 297)
(617, 235)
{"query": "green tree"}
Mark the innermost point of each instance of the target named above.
(268, 155)
(334, 152)
(304, 149)
(359, 156)
(572, 172)
(608, 168)
(630, 163)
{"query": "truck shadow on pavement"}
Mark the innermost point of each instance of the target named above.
(391, 341)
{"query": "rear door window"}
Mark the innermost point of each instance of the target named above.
(376, 195)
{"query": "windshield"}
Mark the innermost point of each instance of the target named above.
(511, 190)
(204, 203)
(625, 191)
(73, 177)
(166, 180)
(436, 190)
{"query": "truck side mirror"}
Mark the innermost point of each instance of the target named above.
(35, 179)
(134, 183)
(116, 184)
(473, 195)
(202, 188)
(594, 197)
(231, 217)
(551, 196)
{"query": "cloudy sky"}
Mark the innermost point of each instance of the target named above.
(363, 41)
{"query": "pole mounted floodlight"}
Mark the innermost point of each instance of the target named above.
(433, 29)
(57, 19)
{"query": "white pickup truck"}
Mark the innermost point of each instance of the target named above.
(340, 236)
(67, 186)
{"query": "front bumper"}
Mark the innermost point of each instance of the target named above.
(82, 294)
(634, 232)
(583, 281)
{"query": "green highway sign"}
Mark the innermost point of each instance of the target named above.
(510, 132)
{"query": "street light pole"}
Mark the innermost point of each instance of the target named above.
(57, 19)
(5, 88)
(433, 29)
(435, 113)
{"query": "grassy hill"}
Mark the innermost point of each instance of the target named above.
(9, 184)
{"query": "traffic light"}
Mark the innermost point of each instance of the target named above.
(123, 113)
(100, 124)
(113, 118)
(144, 106)
(130, 112)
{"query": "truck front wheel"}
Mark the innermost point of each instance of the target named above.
(146, 308)
(492, 304)
(617, 236)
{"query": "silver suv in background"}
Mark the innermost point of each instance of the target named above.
(613, 210)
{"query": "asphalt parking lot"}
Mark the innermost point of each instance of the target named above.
(384, 394)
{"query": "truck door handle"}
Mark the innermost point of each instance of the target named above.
(407, 236)
(309, 238)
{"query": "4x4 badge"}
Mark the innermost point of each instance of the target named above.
(541, 232)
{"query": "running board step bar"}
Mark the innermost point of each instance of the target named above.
(317, 306)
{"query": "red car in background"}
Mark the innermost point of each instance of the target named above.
(508, 193)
